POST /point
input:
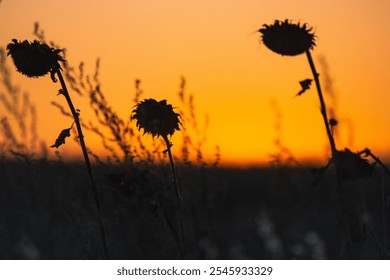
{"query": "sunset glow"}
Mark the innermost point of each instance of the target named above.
(247, 92)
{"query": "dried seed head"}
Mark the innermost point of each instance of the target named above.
(156, 117)
(351, 166)
(34, 59)
(287, 38)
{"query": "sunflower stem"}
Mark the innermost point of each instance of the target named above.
(341, 189)
(322, 103)
(87, 161)
(178, 196)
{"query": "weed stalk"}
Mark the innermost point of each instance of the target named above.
(322, 103)
(75, 115)
(178, 197)
(342, 196)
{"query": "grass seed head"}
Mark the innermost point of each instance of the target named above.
(287, 38)
(156, 118)
(34, 59)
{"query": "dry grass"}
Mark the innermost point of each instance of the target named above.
(270, 213)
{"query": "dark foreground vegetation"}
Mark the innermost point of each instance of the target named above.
(47, 212)
(132, 203)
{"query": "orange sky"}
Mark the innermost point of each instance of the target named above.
(233, 77)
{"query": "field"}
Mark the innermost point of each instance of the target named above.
(47, 212)
(134, 199)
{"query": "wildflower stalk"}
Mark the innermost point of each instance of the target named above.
(178, 196)
(322, 103)
(340, 181)
(367, 152)
(342, 197)
(159, 119)
(36, 59)
(290, 39)
(75, 115)
(168, 144)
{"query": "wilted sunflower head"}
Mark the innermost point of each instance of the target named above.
(351, 166)
(156, 117)
(34, 59)
(287, 38)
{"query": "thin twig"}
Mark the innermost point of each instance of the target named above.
(367, 152)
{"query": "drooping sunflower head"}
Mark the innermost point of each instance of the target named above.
(34, 59)
(351, 166)
(287, 38)
(156, 117)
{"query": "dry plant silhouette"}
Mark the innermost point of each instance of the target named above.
(338, 121)
(158, 119)
(36, 59)
(117, 132)
(18, 119)
(284, 156)
(290, 39)
(119, 138)
(219, 213)
(133, 158)
(194, 134)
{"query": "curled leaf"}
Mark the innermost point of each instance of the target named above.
(61, 138)
(305, 85)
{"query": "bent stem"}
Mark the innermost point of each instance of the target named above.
(178, 196)
(87, 162)
(322, 103)
(342, 196)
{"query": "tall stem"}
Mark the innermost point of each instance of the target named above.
(87, 162)
(168, 144)
(340, 182)
(322, 103)
(178, 197)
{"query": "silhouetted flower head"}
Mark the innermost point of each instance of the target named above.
(351, 166)
(156, 117)
(34, 59)
(287, 38)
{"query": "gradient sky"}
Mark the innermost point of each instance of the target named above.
(234, 78)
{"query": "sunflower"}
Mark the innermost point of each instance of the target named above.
(34, 59)
(351, 166)
(287, 38)
(156, 118)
